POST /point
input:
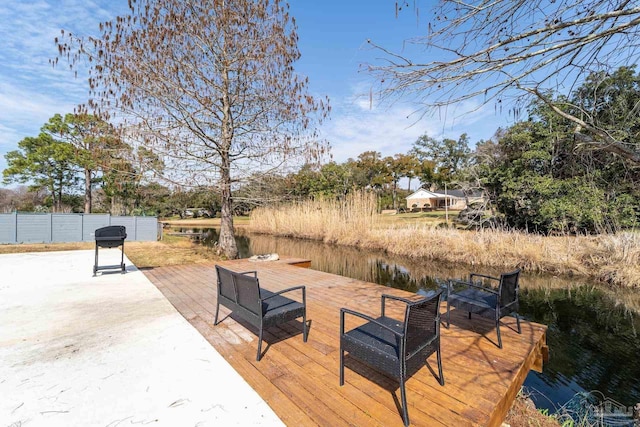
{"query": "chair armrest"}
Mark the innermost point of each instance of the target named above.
(295, 288)
(470, 284)
(393, 297)
(255, 273)
(344, 311)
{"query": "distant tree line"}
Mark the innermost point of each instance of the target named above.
(74, 158)
(536, 175)
(542, 177)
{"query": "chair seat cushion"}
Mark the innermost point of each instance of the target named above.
(376, 345)
(279, 309)
(474, 301)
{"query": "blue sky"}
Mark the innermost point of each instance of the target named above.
(333, 37)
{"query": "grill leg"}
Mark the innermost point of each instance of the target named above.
(122, 258)
(95, 263)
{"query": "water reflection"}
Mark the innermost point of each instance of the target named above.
(592, 336)
(594, 345)
(370, 266)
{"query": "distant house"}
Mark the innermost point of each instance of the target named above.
(425, 200)
(472, 197)
(196, 213)
(454, 199)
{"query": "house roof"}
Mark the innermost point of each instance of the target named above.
(460, 193)
(426, 194)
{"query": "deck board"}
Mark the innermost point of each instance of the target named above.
(300, 381)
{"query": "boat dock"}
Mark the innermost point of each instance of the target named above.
(300, 381)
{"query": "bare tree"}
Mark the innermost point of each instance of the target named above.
(491, 50)
(209, 84)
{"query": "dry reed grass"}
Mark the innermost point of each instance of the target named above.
(523, 413)
(332, 221)
(614, 259)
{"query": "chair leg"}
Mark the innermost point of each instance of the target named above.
(259, 354)
(341, 366)
(498, 330)
(518, 321)
(469, 315)
(215, 321)
(305, 332)
(403, 396)
(440, 374)
(448, 314)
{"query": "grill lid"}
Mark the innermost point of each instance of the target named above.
(111, 232)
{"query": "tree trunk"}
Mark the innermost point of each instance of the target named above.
(394, 193)
(87, 191)
(59, 201)
(226, 241)
(409, 185)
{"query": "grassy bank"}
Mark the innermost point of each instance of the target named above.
(238, 221)
(170, 251)
(613, 259)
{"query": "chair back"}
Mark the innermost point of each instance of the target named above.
(248, 291)
(226, 287)
(422, 322)
(509, 288)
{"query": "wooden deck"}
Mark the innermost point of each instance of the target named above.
(300, 380)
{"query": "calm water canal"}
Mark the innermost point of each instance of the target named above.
(593, 333)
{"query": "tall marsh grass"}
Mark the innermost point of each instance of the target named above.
(613, 259)
(332, 221)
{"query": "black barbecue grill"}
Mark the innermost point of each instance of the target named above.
(110, 237)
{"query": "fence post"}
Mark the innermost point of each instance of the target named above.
(15, 227)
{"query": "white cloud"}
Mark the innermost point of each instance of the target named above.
(31, 91)
(22, 108)
(359, 125)
(386, 131)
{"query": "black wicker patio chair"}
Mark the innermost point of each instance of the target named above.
(396, 348)
(241, 293)
(486, 301)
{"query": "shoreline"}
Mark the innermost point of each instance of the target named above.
(611, 260)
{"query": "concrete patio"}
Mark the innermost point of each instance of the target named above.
(77, 350)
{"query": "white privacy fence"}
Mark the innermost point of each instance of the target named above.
(55, 228)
